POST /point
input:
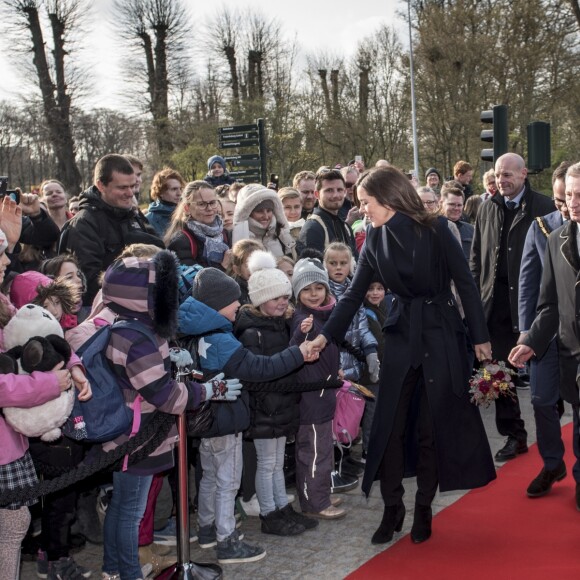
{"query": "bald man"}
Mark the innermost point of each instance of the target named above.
(496, 253)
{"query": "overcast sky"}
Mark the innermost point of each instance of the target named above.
(344, 22)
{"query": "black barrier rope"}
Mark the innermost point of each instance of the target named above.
(145, 442)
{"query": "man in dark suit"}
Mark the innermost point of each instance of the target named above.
(452, 200)
(559, 308)
(496, 253)
(544, 372)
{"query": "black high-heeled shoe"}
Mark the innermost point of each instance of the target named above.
(392, 522)
(421, 530)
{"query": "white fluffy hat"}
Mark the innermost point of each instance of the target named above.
(266, 281)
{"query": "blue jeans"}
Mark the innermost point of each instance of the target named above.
(221, 461)
(270, 484)
(121, 528)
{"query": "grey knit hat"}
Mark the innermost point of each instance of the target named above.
(308, 271)
(215, 289)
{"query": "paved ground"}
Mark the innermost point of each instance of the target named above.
(334, 549)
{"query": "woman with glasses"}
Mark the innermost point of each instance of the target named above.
(259, 215)
(196, 232)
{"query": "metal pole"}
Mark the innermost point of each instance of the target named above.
(263, 157)
(413, 109)
(184, 569)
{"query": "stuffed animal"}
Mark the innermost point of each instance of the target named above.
(35, 338)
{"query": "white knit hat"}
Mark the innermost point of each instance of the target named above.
(266, 281)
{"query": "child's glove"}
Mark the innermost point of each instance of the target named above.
(219, 390)
(373, 366)
(180, 357)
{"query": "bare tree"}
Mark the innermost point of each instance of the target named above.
(156, 29)
(51, 71)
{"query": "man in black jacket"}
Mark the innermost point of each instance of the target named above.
(496, 253)
(324, 225)
(558, 307)
(106, 222)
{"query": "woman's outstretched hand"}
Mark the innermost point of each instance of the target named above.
(483, 351)
(319, 343)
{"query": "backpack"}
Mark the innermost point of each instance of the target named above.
(350, 407)
(105, 415)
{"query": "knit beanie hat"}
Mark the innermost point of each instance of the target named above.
(3, 241)
(308, 271)
(215, 289)
(432, 170)
(266, 281)
(216, 159)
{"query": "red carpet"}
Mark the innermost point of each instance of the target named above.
(495, 533)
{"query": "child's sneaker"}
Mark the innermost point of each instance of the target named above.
(251, 507)
(308, 523)
(233, 551)
(168, 535)
(278, 524)
(208, 538)
(67, 569)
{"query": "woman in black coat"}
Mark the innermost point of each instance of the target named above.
(416, 257)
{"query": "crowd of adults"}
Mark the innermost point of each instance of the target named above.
(526, 275)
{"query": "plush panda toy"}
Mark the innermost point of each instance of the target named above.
(35, 339)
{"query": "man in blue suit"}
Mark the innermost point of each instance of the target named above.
(544, 372)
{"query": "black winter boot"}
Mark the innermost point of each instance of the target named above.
(392, 522)
(421, 530)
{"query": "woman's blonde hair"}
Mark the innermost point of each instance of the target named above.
(241, 251)
(180, 215)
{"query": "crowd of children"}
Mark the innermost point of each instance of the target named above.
(255, 321)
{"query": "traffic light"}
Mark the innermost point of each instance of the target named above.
(539, 146)
(498, 116)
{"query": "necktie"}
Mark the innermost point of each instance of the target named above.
(511, 205)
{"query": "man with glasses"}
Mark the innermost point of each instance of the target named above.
(496, 255)
(452, 200)
(544, 371)
(106, 222)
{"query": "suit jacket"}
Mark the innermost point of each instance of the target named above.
(559, 307)
(533, 266)
(487, 240)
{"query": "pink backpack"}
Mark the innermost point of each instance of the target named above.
(349, 411)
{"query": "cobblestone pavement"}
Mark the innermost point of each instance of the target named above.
(335, 548)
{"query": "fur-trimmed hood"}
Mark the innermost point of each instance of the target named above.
(145, 289)
(35, 288)
(248, 198)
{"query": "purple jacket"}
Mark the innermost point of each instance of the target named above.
(316, 407)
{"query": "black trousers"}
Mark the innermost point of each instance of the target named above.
(392, 466)
(508, 418)
(59, 508)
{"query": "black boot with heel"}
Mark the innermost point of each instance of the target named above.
(392, 522)
(421, 530)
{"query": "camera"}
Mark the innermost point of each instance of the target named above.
(4, 191)
(275, 179)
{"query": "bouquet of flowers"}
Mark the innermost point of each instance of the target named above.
(492, 380)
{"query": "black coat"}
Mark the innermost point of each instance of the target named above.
(558, 307)
(487, 240)
(424, 328)
(98, 233)
(272, 414)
